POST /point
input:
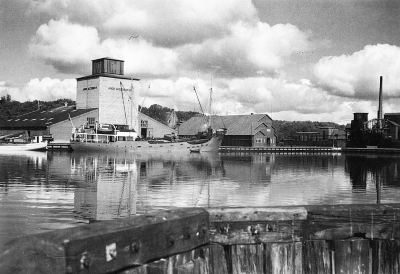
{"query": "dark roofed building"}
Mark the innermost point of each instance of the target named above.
(43, 122)
(242, 130)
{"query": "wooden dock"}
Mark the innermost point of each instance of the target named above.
(59, 146)
(279, 150)
(298, 239)
(311, 150)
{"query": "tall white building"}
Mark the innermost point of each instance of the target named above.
(112, 93)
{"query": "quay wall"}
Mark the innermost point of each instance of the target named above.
(305, 149)
(298, 239)
(275, 149)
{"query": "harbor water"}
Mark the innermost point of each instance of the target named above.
(42, 191)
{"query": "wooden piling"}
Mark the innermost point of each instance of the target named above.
(297, 239)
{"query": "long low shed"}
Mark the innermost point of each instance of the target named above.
(298, 239)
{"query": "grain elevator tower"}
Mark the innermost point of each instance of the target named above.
(112, 93)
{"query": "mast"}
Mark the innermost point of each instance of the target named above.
(210, 105)
(123, 101)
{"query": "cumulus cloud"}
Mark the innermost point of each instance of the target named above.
(69, 48)
(357, 75)
(222, 38)
(249, 50)
(64, 44)
(244, 96)
(165, 23)
(45, 89)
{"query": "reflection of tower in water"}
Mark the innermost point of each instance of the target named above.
(108, 189)
(372, 171)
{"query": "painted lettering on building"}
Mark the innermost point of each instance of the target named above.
(120, 89)
(89, 88)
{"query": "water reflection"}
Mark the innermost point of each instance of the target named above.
(106, 186)
(373, 172)
(43, 191)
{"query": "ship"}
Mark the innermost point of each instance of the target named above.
(122, 138)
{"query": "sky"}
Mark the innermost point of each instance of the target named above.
(295, 60)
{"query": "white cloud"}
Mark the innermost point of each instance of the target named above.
(64, 41)
(357, 75)
(45, 89)
(179, 38)
(250, 49)
(70, 47)
(290, 101)
(160, 22)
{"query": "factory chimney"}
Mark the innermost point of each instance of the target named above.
(380, 114)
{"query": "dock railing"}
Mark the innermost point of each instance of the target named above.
(298, 239)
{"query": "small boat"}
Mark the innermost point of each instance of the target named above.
(11, 147)
(17, 142)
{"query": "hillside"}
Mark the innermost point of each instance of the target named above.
(286, 129)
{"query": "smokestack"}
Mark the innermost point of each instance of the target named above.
(380, 115)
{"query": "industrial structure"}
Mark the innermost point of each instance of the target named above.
(323, 136)
(382, 131)
(105, 96)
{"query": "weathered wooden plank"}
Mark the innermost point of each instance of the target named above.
(385, 256)
(247, 259)
(352, 256)
(317, 257)
(208, 259)
(257, 214)
(262, 225)
(108, 246)
(246, 232)
(283, 258)
(346, 221)
(215, 254)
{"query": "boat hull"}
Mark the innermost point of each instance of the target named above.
(6, 148)
(211, 145)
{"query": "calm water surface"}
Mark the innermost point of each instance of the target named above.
(41, 191)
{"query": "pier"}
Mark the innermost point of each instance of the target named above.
(298, 239)
(276, 149)
(59, 146)
(304, 149)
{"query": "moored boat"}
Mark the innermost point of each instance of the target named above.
(17, 142)
(86, 139)
(11, 147)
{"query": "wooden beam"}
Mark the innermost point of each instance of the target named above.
(288, 224)
(109, 245)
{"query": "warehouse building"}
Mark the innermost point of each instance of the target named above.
(253, 130)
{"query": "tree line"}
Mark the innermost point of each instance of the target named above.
(283, 129)
(10, 109)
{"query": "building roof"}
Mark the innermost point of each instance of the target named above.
(236, 124)
(42, 118)
(108, 58)
(93, 76)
